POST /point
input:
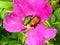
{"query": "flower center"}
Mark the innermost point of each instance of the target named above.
(31, 21)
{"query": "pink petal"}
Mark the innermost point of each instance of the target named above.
(35, 36)
(21, 7)
(13, 23)
(38, 35)
(50, 33)
(45, 13)
(37, 3)
(39, 8)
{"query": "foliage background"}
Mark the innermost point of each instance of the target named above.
(7, 38)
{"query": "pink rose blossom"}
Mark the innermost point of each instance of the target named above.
(23, 8)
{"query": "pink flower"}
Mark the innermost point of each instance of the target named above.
(23, 8)
(39, 11)
(39, 35)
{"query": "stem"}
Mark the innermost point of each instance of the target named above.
(47, 24)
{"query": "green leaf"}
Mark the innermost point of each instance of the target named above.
(3, 13)
(57, 42)
(0, 22)
(2, 43)
(52, 19)
(15, 35)
(57, 26)
(14, 42)
(7, 0)
(5, 4)
(9, 9)
(22, 37)
(54, 3)
(57, 13)
(5, 40)
(19, 36)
